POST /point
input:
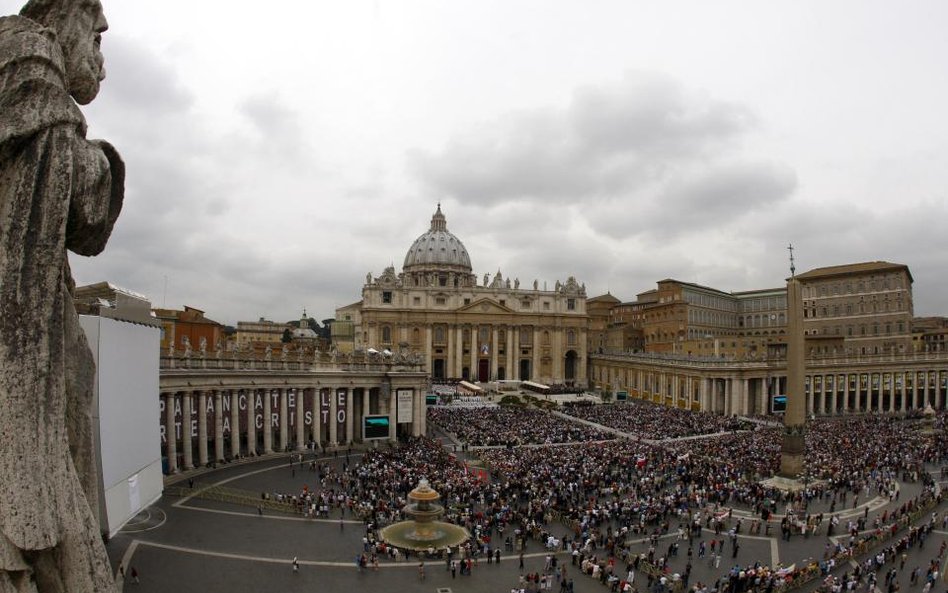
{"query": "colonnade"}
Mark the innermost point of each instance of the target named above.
(204, 426)
(758, 388)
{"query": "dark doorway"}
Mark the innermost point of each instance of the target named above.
(525, 369)
(439, 368)
(466, 374)
(501, 374)
(571, 358)
(483, 370)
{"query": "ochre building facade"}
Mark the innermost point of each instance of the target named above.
(492, 330)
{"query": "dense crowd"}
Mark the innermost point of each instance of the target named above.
(511, 425)
(600, 501)
(654, 421)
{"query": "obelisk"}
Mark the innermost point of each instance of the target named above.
(794, 419)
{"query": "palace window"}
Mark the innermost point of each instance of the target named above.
(439, 300)
(570, 304)
(387, 296)
(386, 334)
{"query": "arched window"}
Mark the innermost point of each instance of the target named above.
(571, 338)
(439, 335)
(416, 336)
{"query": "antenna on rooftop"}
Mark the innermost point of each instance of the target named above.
(793, 268)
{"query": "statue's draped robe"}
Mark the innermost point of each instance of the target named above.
(58, 191)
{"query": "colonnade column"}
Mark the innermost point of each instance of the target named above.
(846, 393)
(333, 429)
(186, 430)
(317, 416)
(833, 393)
(202, 427)
(350, 405)
(251, 422)
(234, 423)
(219, 426)
(300, 402)
(915, 398)
(475, 331)
(392, 419)
(171, 434)
(902, 391)
(284, 415)
(745, 396)
(809, 397)
(267, 421)
(450, 361)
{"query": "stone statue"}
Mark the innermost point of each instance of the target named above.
(536, 284)
(202, 346)
(508, 282)
(268, 353)
(516, 283)
(219, 348)
(171, 350)
(59, 192)
(486, 278)
(186, 344)
(284, 352)
(368, 278)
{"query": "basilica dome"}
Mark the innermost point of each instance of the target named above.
(437, 250)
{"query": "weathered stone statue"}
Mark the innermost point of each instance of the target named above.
(58, 191)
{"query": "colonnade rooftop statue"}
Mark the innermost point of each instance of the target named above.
(58, 191)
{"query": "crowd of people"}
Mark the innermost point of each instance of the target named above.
(600, 502)
(511, 425)
(653, 421)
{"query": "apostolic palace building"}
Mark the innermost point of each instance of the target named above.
(680, 344)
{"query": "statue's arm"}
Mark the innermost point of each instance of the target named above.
(98, 192)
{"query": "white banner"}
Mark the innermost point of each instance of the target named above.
(404, 398)
(134, 495)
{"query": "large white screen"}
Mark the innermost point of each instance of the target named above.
(128, 398)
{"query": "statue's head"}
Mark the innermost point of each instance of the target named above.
(79, 25)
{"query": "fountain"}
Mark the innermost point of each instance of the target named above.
(423, 531)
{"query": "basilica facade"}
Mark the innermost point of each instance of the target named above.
(493, 330)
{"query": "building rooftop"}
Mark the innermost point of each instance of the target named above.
(852, 269)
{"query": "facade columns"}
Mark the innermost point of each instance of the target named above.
(557, 355)
(186, 433)
(428, 341)
(535, 370)
(219, 426)
(171, 434)
(458, 352)
(475, 375)
(202, 428)
(234, 423)
(284, 416)
(450, 360)
(267, 421)
(510, 372)
(494, 352)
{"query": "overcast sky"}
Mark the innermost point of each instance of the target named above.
(278, 151)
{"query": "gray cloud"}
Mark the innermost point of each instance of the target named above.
(609, 141)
